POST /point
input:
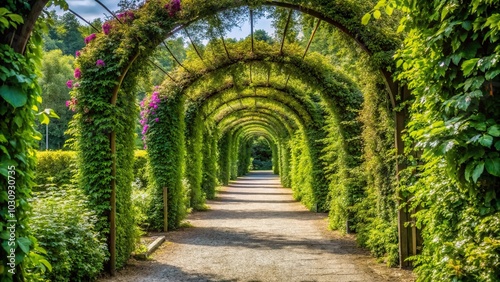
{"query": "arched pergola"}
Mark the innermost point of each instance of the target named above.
(106, 106)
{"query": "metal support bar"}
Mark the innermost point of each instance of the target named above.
(286, 30)
(173, 56)
(222, 38)
(162, 70)
(84, 20)
(311, 39)
(109, 11)
(251, 27)
(194, 46)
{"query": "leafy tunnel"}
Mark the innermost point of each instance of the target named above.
(325, 93)
(198, 122)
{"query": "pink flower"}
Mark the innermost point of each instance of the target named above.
(127, 16)
(106, 28)
(157, 119)
(76, 85)
(71, 104)
(100, 63)
(69, 83)
(77, 54)
(77, 73)
(173, 7)
(89, 38)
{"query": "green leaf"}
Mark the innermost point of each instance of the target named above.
(366, 18)
(491, 74)
(493, 166)
(494, 130)
(486, 140)
(44, 119)
(13, 96)
(16, 18)
(377, 14)
(389, 10)
(477, 172)
(46, 263)
(497, 145)
(468, 65)
(51, 113)
(468, 170)
(24, 243)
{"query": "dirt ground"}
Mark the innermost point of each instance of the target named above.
(255, 231)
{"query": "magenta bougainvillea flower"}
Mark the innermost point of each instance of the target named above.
(100, 63)
(77, 54)
(126, 17)
(149, 105)
(71, 104)
(106, 28)
(173, 7)
(78, 73)
(69, 83)
(89, 38)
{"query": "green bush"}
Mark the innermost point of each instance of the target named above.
(65, 228)
(55, 168)
(262, 154)
(140, 169)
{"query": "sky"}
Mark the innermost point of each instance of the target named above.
(90, 9)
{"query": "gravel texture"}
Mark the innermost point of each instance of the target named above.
(255, 231)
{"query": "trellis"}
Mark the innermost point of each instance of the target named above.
(129, 62)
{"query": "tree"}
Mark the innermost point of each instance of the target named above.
(125, 5)
(261, 154)
(57, 69)
(72, 38)
(64, 33)
(262, 35)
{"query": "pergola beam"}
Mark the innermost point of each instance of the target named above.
(286, 30)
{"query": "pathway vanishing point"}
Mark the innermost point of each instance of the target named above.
(255, 231)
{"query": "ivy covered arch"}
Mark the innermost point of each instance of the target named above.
(104, 123)
(294, 65)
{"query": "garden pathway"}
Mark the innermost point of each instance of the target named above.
(255, 231)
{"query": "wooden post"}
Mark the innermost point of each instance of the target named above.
(112, 200)
(112, 214)
(405, 233)
(165, 209)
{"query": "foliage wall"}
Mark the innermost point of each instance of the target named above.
(19, 101)
(210, 162)
(194, 158)
(167, 149)
(224, 162)
(450, 63)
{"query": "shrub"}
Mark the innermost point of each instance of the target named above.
(140, 169)
(55, 168)
(65, 228)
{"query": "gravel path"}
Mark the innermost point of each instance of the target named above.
(255, 231)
